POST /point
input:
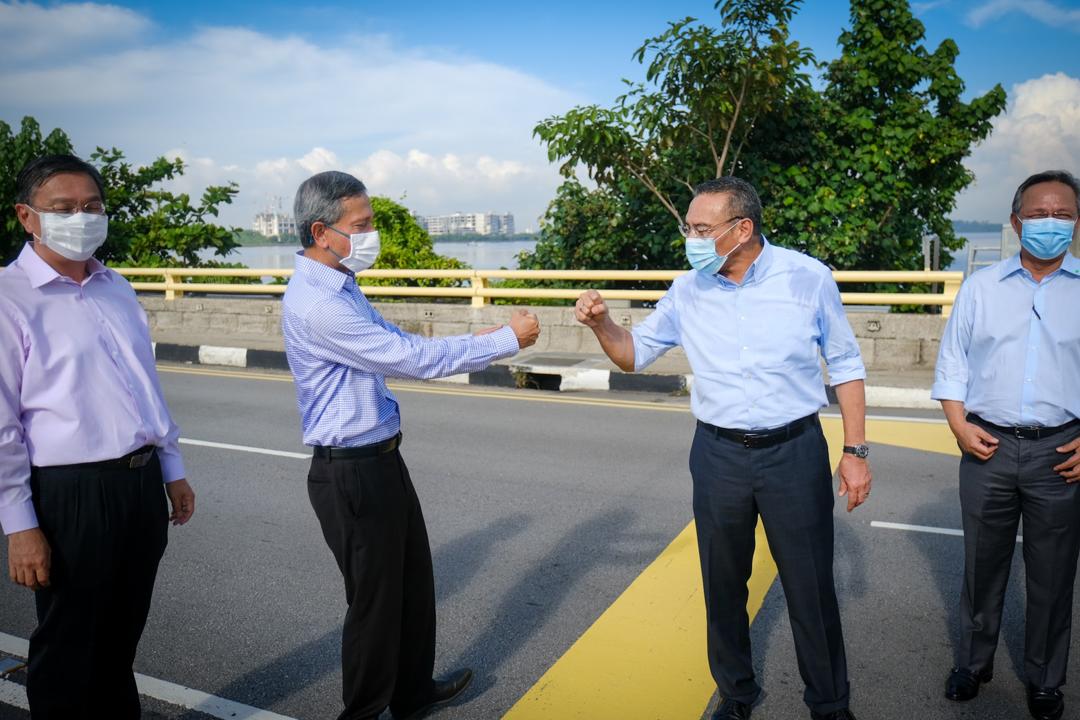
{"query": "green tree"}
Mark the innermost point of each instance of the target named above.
(854, 173)
(17, 149)
(404, 244)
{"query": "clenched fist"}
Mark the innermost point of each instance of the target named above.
(590, 309)
(526, 326)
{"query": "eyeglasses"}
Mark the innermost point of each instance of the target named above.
(704, 230)
(95, 207)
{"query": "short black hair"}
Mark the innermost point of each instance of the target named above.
(1062, 176)
(38, 171)
(744, 202)
(318, 199)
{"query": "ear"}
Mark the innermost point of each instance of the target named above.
(28, 219)
(318, 234)
(1016, 224)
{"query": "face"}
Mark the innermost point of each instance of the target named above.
(710, 216)
(63, 192)
(356, 217)
(1048, 199)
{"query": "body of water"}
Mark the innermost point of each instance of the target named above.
(480, 255)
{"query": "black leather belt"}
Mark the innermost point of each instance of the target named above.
(1023, 432)
(132, 461)
(762, 438)
(363, 451)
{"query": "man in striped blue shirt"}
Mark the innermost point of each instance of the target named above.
(340, 351)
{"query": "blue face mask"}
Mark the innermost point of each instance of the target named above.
(701, 252)
(1047, 238)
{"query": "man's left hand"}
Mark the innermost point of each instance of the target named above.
(854, 480)
(182, 498)
(1070, 469)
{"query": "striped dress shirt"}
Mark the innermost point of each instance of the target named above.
(341, 351)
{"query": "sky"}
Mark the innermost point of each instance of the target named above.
(434, 103)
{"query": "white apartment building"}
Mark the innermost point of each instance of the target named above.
(467, 224)
(273, 221)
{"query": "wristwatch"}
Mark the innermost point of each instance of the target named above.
(859, 451)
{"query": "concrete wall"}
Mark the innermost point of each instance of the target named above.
(888, 341)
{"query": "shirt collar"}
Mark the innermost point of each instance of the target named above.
(41, 273)
(757, 269)
(1070, 264)
(321, 275)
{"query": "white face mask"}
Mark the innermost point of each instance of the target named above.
(75, 236)
(363, 250)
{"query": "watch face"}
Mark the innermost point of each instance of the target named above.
(862, 451)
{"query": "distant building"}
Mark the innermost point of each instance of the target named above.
(273, 222)
(467, 224)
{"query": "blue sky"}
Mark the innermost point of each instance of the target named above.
(435, 102)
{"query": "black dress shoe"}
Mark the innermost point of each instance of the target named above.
(841, 714)
(732, 710)
(1045, 703)
(963, 684)
(443, 692)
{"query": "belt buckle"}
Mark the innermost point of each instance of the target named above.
(750, 440)
(1026, 432)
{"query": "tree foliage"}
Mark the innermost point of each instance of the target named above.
(854, 171)
(404, 244)
(148, 226)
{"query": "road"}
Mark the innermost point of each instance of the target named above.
(542, 509)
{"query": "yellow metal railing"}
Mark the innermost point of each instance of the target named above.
(481, 289)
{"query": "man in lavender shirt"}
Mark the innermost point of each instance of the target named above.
(86, 443)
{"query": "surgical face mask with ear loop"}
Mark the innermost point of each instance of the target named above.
(75, 236)
(1046, 238)
(701, 252)
(363, 250)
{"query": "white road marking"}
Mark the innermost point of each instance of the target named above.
(924, 529)
(185, 697)
(246, 448)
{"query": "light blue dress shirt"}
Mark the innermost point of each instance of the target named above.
(1011, 349)
(756, 348)
(341, 350)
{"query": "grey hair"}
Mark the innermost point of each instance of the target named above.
(743, 201)
(1062, 176)
(38, 171)
(318, 199)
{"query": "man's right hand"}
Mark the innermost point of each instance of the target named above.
(975, 441)
(526, 326)
(590, 309)
(29, 558)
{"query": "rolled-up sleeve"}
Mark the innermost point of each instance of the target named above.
(839, 348)
(16, 506)
(951, 374)
(658, 333)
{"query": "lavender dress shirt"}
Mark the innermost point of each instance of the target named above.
(77, 379)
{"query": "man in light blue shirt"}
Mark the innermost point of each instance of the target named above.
(755, 321)
(1008, 378)
(340, 351)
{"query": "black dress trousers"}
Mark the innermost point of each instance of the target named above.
(790, 486)
(371, 519)
(107, 528)
(1019, 481)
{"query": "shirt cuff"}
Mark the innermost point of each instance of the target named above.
(844, 371)
(18, 517)
(505, 342)
(172, 465)
(948, 390)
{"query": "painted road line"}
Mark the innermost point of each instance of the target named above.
(644, 657)
(925, 529)
(13, 694)
(185, 697)
(246, 448)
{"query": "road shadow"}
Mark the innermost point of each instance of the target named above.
(530, 603)
(458, 561)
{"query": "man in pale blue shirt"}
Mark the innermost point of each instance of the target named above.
(1008, 378)
(340, 351)
(755, 321)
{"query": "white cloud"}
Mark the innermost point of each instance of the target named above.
(1039, 131)
(450, 132)
(30, 32)
(1041, 10)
